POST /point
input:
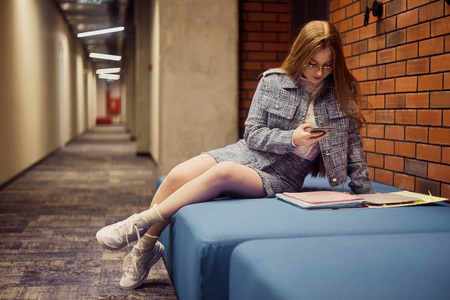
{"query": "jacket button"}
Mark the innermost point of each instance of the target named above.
(334, 180)
(277, 107)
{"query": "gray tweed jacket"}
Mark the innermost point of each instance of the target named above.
(279, 106)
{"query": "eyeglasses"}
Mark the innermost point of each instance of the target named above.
(315, 68)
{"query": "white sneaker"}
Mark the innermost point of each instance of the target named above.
(121, 234)
(136, 267)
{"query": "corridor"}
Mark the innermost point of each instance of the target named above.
(50, 214)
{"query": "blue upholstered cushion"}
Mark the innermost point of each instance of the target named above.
(407, 266)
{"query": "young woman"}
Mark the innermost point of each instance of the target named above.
(313, 88)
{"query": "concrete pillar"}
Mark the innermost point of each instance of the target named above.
(198, 78)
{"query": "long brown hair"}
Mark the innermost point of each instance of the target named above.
(317, 35)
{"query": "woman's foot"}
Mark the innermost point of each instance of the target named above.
(137, 265)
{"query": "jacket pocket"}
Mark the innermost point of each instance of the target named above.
(280, 113)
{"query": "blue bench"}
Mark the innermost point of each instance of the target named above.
(396, 266)
(201, 237)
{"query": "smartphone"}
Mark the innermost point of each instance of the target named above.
(320, 129)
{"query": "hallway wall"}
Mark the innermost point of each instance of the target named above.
(47, 85)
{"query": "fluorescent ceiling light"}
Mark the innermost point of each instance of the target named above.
(101, 31)
(105, 56)
(107, 71)
(109, 76)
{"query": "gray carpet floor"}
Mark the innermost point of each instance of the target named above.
(50, 214)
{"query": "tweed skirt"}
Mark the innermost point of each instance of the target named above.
(273, 179)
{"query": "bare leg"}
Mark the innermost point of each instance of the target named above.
(179, 176)
(221, 177)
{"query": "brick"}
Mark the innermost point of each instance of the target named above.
(384, 147)
(263, 17)
(276, 7)
(262, 37)
(418, 66)
(383, 176)
(368, 31)
(447, 42)
(377, 43)
(352, 10)
(431, 46)
(359, 47)
(440, 63)
(249, 6)
(344, 2)
(352, 62)
(368, 59)
(334, 5)
(418, 32)
(262, 56)
(440, 26)
(369, 115)
(276, 27)
(267, 46)
(439, 172)
(446, 155)
(431, 11)
(431, 117)
(425, 186)
(375, 160)
(408, 18)
(407, 51)
(347, 50)
(439, 136)
(416, 134)
(417, 100)
(405, 116)
(430, 82)
(385, 86)
(429, 152)
(357, 21)
(337, 15)
(376, 101)
(396, 69)
(352, 36)
(447, 81)
(397, 100)
(250, 26)
(394, 7)
(344, 25)
(270, 65)
(416, 3)
(415, 167)
(250, 46)
(404, 181)
(387, 55)
(406, 84)
(396, 38)
(368, 87)
(368, 144)
(395, 132)
(360, 74)
(250, 65)
(376, 72)
(394, 163)
(405, 149)
(375, 131)
(387, 25)
(445, 188)
(385, 116)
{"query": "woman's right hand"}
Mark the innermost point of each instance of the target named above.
(301, 136)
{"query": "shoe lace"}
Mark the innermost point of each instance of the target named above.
(133, 264)
(127, 229)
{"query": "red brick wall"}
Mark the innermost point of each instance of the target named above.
(402, 61)
(265, 38)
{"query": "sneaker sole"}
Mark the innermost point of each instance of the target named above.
(152, 263)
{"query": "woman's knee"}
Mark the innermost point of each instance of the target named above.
(224, 172)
